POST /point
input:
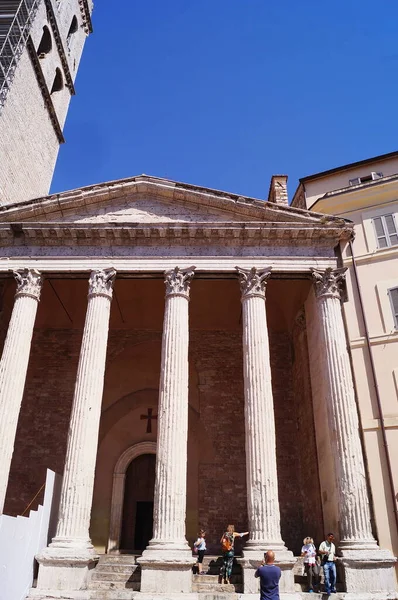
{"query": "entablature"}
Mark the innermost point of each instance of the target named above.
(119, 234)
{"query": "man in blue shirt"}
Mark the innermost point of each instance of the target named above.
(269, 575)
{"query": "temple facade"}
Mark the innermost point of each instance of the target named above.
(179, 355)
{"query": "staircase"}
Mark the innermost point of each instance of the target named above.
(300, 584)
(118, 577)
(210, 586)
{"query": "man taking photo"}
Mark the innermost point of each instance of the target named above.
(269, 575)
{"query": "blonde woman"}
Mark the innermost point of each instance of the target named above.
(227, 547)
(309, 552)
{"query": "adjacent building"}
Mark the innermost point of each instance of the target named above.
(366, 193)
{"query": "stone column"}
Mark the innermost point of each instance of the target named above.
(14, 365)
(167, 561)
(64, 564)
(357, 544)
(261, 472)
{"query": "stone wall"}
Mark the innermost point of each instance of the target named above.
(44, 419)
(28, 142)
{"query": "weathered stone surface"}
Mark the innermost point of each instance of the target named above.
(14, 365)
(167, 561)
(368, 569)
(64, 564)
(262, 479)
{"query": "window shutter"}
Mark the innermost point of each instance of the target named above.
(393, 293)
(380, 235)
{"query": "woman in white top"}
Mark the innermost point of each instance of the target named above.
(200, 546)
(310, 563)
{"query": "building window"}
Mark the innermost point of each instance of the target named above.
(386, 231)
(365, 178)
(58, 82)
(72, 29)
(45, 43)
(393, 293)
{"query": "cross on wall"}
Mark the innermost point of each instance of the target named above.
(149, 416)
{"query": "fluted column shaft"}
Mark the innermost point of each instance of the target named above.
(14, 365)
(342, 413)
(261, 473)
(78, 481)
(171, 459)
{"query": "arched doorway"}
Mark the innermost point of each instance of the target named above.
(137, 520)
(118, 494)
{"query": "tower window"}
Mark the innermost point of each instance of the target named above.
(58, 82)
(72, 29)
(45, 43)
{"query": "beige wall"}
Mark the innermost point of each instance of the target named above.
(377, 272)
(340, 180)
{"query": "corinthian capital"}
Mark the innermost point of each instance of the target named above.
(253, 282)
(101, 282)
(328, 283)
(178, 280)
(29, 283)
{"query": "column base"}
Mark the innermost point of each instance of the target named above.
(166, 568)
(369, 573)
(251, 560)
(65, 565)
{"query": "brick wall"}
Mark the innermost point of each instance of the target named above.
(216, 358)
(222, 478)
(312, 517)
(44, 419)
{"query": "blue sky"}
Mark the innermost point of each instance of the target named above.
(224, 93)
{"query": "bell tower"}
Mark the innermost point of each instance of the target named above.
(41, 43)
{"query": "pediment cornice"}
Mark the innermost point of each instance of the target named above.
(232, 207)
(127, 234)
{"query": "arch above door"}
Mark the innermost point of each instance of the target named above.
(119, 477)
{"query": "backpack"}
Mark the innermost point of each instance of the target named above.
(226, 544)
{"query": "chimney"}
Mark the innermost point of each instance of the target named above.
(278, 190)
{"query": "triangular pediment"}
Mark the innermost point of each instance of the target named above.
(145, 200)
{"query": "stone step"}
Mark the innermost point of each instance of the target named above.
(101, 576)
(96, 586)
(106, 568)
(301, 587)
(113, 595)
(301, 580)
(216, 588)
(218, 596)
(210, 578)
(122, 559)
(321, 596)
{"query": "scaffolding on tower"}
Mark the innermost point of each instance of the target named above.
(16, 18)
